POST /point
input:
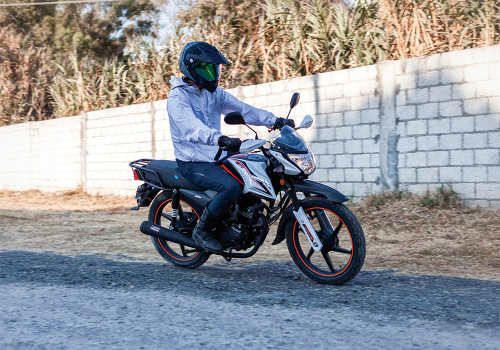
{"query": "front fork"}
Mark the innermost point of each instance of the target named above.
(303, 220)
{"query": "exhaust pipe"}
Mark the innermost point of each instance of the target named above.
(151, 229)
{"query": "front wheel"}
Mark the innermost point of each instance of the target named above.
(344, 248)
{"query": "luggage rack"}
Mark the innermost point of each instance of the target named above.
(139, 167)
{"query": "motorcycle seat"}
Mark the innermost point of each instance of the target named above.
(169, 175)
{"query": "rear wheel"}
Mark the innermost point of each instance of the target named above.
(344, 249)
(160, 213)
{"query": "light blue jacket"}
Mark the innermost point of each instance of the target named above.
(195, 119)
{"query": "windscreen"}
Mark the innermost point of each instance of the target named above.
(289, 141)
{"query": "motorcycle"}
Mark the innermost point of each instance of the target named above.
(324, 238)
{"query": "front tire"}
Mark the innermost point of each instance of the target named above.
(174, 253)
(344, 248)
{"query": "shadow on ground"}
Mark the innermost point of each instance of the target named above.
(451, 299)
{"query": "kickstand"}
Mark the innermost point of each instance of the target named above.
(228, 258)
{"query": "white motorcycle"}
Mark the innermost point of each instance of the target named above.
(323, 236)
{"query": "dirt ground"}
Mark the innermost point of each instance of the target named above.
(400, 233)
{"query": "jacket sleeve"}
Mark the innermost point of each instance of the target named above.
(190, 128)
(252, 115)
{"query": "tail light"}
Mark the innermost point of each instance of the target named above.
(136, 177)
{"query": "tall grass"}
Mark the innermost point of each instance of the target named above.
(266, 41)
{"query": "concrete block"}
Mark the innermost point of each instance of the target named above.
(374, 101)
(335, 147)
(440, 93)
(418, 188)
(369, 87)
(360, 73)
(450, 174)
(324, 106)
(361, 131)
(274, 100)
(494, 139)
(406, 112)
(417, 96)
(354, 175)
(476, 140)
(346, 188)
(439, 126)
(428, 175)
(401, 98)
(475, 73)
(353, 146)
(278, 86)
(407, 175)
(335, 119)
(465, 190)
(417, 159)
(341, 104)
(494, 174)
(494, 104)
(343, 161)
(487, 191)
(487, 156)
(488, 88)
(438, 158)
(463, 91)
(320, 175)
(326, 134)
(474, 174)
(340, 76)
(319, 148)
(343, 133)
(352, 117)
(360, 160)
(416, 127)
(476, 106)
(461, 157)
(488, 122)
(334, 92)
(427, 110)
(427, 143)
(428, 79)
(462, 124)
(351, 89)
(450, 109)
(494, 70)
(407, 144)
(455, 75)
(336, 175)
(406, 82)
(486, 54)
(370, 146)
(371, 174)
(370, 116)
(360, 102)
(375, 160)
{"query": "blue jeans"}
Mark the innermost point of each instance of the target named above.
(211, 176)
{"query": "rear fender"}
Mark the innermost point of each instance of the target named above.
(145, 195)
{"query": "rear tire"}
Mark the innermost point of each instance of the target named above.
(346, 254)
(170, 251)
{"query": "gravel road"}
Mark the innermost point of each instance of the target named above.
(51, 301)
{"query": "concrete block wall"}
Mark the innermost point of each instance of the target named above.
(413, 124)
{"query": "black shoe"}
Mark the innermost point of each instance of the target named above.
(202, 233)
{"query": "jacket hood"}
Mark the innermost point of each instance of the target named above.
(178, 82)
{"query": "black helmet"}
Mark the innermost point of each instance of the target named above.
(201, 62)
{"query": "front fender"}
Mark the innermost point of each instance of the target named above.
(311, 187)
(307, 187)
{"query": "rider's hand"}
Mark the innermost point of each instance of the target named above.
(281, 122)
(232, 144)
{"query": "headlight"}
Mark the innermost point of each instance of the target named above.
(305, 162)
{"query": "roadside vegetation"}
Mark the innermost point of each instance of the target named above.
(57, 61)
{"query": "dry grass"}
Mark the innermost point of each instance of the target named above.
(400, 232)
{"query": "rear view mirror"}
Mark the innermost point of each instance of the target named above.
(295, 100)
(234, 118)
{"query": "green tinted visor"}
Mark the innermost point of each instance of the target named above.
(208, 71)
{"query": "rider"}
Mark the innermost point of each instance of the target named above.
(195, 105)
